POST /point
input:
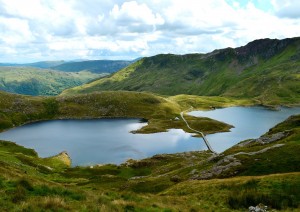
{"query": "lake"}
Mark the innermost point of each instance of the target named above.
(102, 141)
(248, 122)
(99, 141)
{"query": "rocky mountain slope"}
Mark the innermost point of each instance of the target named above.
(267, 70)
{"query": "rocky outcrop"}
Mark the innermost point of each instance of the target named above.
(226, 163)
(221, 166)
(265, 139)
(259, 208)
(64, 158)
(266, 48)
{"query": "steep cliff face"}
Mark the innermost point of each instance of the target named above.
(264, 48)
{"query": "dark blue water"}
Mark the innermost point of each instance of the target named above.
(249, 122)
(110, 141)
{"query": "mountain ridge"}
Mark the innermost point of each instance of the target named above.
(94, 66)
(255, 70)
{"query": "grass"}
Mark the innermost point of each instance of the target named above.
(263, 164)
(282, 194)
(160, 112)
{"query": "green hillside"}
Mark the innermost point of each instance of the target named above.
(160, 112)
(33, 81)
(266, 70)
(95, 66)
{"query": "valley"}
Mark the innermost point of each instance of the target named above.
(41, 82)
(157, 90)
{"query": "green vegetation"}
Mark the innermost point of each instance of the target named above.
(259, 171)
(160, 112)
(278, 160)
(94, 66)
(32, 81)
(264, 70)
(166, 182)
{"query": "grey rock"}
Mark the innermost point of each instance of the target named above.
(265, 139)
(259, 208)
(194, 171)
(137, 177)
(251, 209)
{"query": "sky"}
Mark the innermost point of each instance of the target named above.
(44, 30)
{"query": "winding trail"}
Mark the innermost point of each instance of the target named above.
(202, 134)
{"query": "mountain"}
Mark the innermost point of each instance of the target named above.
(41, 64)
(95, 66)
(33, 81)
(267, 70)
(45, 64)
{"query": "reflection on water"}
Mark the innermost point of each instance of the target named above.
(109, 141)
(249, 122)
(99, 141)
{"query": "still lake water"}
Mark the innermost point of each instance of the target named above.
(110, 141)
(99, 141)
(248, 122)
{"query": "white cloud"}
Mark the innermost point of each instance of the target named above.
(34, 30)
(134, 12)
(288, 9)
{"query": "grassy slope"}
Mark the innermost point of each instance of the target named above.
(32, 81)
(267, 70)
(30, 183)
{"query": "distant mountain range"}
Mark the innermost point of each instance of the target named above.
(41, 64)
(52, 77)
(266, 69)
(94, 66)
(34, 81)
